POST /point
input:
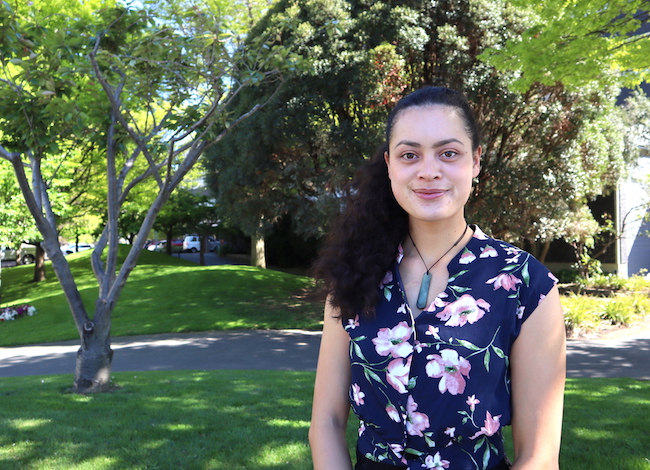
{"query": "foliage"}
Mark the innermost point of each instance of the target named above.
(579, 43)
(171, 420)
(583, 313)
(547, 149)
(149, 86)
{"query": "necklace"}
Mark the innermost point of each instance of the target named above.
(423, 295)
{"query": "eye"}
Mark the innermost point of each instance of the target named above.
(449, 154)
(409, 156)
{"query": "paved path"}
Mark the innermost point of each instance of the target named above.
(627, 356)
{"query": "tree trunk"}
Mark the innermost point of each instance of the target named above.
(258, 252)
(94, 359)
(39, 264)
(202, 249)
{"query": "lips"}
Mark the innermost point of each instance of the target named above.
(427, 193)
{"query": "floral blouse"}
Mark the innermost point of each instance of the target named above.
(437, 397)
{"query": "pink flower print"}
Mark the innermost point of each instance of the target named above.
(555, 279)
(415, 422)
(472, 402)
(438, 302)
(478, 233)
(393, 414)
(398, 450)
(467, 257)
(357, 394)
(435, 462)
(492, 425)
(450, 368)
(362, 427)
(488, 252)
(506, 281)
(451, 432)
(397, 374)
(464, 310)
(520, 311)
(433, 331)
(352, 324)
(394, 341)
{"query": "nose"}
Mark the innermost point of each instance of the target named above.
(429, 167)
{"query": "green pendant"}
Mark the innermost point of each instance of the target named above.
(424, 291)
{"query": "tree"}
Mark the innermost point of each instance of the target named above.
(578, 43)
(154, 83)
(547, 149)
(294, 156)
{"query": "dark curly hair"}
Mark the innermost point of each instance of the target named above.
(363, 242)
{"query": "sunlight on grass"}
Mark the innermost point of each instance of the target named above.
(593, 434)
(163, 295)
(281, 456)
(254, 420)
(289, 423)
(24, 424)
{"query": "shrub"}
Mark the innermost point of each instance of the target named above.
(581, 313)
(625, 309)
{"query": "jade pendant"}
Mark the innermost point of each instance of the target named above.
(424, 291)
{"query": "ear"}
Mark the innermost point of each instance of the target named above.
(387, 161)
(476, 167)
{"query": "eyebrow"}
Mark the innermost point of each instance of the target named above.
(435, 145)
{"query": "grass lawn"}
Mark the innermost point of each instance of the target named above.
(164, 294)
(224, 419)
(253, 420)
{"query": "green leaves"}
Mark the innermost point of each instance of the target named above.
(579, 44)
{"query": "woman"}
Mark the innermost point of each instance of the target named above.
(435, 333)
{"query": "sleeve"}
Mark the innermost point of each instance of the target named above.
(537, 283)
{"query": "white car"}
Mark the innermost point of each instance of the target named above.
(192, 243)
(74, 248)
(26, 254)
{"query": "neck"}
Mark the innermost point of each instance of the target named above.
(432, 240)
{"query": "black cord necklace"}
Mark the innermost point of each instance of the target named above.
(423, 295)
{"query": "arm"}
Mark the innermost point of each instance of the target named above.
(538, 374)
(331, 404)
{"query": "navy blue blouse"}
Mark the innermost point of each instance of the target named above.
(437, 397)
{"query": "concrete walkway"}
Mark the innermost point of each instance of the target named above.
(627, 356)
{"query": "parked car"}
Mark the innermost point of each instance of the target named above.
(74, 248)
(8, 254)
(177, 246)
(26, 254)
(192, 243)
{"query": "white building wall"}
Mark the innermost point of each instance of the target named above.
(633, 197)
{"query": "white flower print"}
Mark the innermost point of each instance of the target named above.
(357, 394)
(467, 257)
(435, 462)
(488, 252)
(394, 341)
(464, 310)
(397, 374)
(415, 422)
(450, 368)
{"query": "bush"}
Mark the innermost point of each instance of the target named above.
(582, 313)
(624, 310)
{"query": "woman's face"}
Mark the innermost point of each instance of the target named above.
(431, 163)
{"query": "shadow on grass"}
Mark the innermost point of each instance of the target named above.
(200, 420)
(606, 424)
(253, 420)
